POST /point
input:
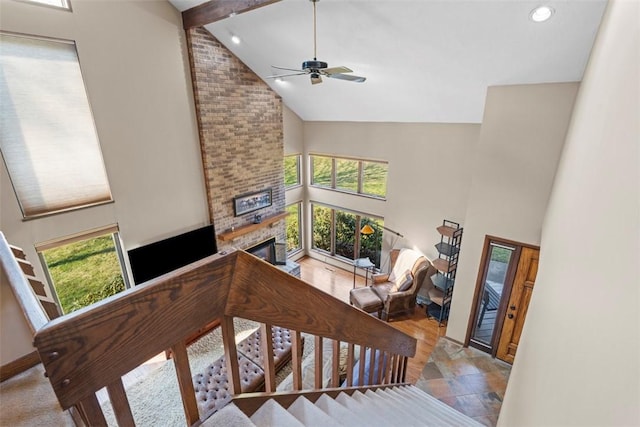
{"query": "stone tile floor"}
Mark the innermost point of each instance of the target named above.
(466, 379)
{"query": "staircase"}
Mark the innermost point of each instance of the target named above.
(391, 406)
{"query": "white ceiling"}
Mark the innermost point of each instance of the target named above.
(425, 60)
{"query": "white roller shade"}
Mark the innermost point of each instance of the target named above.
(48, 138)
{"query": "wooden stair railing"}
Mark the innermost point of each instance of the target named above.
(94, 347)
(28, 290)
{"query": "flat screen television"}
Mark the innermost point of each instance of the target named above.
(155, 259)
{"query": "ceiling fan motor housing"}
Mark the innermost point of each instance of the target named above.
(314, 65)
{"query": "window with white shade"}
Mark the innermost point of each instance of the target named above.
(47, 135)
(61, 4)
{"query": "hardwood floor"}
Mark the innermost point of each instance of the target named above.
(339, 282)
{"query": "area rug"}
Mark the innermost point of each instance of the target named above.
(155, 400)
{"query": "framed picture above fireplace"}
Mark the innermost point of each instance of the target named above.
(250, 202)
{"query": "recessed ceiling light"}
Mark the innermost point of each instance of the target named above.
(541, 13)
(235, 39)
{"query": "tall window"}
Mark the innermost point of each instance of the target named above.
(84, 268)
(337, 232)
(350, 175)
(47, 136)
(293, 223)
(292, 170)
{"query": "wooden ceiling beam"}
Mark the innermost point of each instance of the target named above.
(216, 10)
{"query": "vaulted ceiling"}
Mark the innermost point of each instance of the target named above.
(424, 60)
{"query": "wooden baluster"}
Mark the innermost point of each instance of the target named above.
(267, 355)
(120, 404)
(318, 362)
(381, 359)
(296, 360)
(363, 355)
(185, 382)
(405, 359)
(231, 354)
(387, 368)
(394, 369)
(91, 411)
(335, 365)
(372, 366)
(350, 365)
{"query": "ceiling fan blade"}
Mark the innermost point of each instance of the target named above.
(336, 70)
(285, 75)
(315, 79)
(288, 69)
(348, 77)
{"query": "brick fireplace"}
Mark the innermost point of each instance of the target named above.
(241, 138)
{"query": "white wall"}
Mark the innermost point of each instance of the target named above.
(134, 62)
(428, 178)
(578, 361)
(522, 134)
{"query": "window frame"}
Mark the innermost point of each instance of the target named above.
(298, 183)
(300, 247)
(361, 184)
(111, 229)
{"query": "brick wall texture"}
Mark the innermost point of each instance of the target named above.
(241, 137)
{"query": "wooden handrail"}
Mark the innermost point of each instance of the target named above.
(96, 345)
(266, 294)
(33, 311)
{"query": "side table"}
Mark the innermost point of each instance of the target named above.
(364, 263)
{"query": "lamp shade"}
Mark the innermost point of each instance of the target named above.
(367, 229)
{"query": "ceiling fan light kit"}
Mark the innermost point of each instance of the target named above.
(316, 69)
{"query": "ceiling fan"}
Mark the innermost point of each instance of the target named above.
(316, 69)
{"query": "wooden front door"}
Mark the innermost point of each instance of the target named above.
(518, 304)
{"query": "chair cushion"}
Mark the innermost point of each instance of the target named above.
(403, 282)
(365, 299)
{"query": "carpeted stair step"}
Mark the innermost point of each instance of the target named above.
(273, 414)
(393, 406)
(389, 414)
(340, 412)
(413, 416)
(373, 414)
(230, 415)
(310, 415)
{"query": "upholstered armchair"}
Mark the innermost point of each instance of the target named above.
(398, 289)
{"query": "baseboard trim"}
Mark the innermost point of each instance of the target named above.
(19, 365)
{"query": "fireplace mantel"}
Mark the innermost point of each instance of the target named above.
(227, 236)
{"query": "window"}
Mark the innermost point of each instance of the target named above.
(374, 179)
(321, 171)
(363, 177)
(84, 268)
(322, 228)
(347, 175)
(294, 242)
(47, 137)
(337, 232)
(292, 170)
(62, 4)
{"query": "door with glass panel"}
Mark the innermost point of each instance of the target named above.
(500, 268)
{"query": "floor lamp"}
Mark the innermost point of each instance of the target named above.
(368, 230)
